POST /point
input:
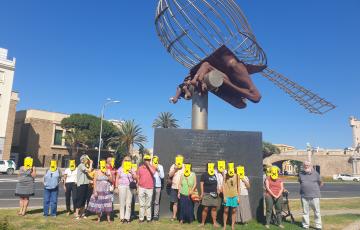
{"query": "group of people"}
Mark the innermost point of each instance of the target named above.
(310, 184)
(224, 191)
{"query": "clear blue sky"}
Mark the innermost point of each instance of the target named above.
(71, 55)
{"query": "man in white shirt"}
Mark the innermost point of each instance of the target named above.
(158, 179)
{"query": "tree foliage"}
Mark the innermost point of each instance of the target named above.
(130, 134)
(165, 120)
(85, 130)
(269, 149)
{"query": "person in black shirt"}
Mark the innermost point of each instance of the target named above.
(209, 194)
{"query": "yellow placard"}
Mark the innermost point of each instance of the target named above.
(179, 160)
(155, 161)
(53, 165)
(103, 166)
(134, 167)
(231, 169)
(127, 167)
(211, 169)
(274, 172)
(187, 170)
(72, 165)
(112, 162)
(28, 163)
(240, 170)
(221, 166)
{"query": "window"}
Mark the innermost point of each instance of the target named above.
(58, 137)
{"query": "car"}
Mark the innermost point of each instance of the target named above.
(346, 177)
(7, 166)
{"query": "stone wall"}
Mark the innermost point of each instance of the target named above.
(10, 129)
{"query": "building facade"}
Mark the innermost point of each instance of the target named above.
(38, 134)
(8, 101)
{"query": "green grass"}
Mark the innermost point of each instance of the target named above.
(35, 220)
(334, 204)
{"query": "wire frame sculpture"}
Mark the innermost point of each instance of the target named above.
(191, 30)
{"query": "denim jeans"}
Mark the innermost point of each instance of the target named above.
(50, 201)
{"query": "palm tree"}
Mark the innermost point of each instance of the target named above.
(165, 120)
(130, 134)
(74, 140)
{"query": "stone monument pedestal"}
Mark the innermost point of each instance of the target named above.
(202, 146)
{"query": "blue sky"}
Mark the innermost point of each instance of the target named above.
(72, 55)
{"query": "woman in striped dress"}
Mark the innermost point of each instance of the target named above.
(101, 199)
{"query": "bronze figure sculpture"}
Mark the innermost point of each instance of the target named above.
(214, 35)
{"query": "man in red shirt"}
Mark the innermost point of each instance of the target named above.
(145, 178)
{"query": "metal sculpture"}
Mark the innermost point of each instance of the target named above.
(214, 35)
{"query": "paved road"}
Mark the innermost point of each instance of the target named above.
(8, 183)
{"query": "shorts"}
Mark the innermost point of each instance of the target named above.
(231, 202)
(81, 195)
(210, 201)
(174, 195)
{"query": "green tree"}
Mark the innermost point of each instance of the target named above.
(89, 127)
(269, 149)
(74, 140)
(130, 134)
(165, 120)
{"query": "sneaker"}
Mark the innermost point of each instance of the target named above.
(267, 226)
(156, 219)
(281, 226)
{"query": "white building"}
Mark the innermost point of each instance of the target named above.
(7, 100)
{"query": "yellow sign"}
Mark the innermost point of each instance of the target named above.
(103, 166)
(274, 172)
(187, 170)
(240, 170)
(28, 163)
(179, 160)
(147, 157)
(211, 169)
(155, 161)
(112, 162)
(221, 165)
(134, 167)
(72, 165)
(231, 169)
(127, 167)
(53, 165)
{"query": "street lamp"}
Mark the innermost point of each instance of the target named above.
(108, 101)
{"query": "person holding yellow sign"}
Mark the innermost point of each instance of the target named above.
(70, 185)
(209, 194)
(243, 212)
(82, 181)
(25, 185)
(101, 199)
(51, 179)
(231, 195)
(176, 170)
(124, 182)
(158, 185)
(273, 197)
(187, 187)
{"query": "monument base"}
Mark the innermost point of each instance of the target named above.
(202, 146)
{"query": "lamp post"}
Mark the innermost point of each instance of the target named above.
(108, 101)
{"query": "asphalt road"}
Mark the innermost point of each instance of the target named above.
(8, 199)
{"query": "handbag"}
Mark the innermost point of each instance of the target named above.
(213, 194)
(111, 188)
(132, 184)
(194, 196)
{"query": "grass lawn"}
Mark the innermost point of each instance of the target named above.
(35, 220)
(334, 204)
